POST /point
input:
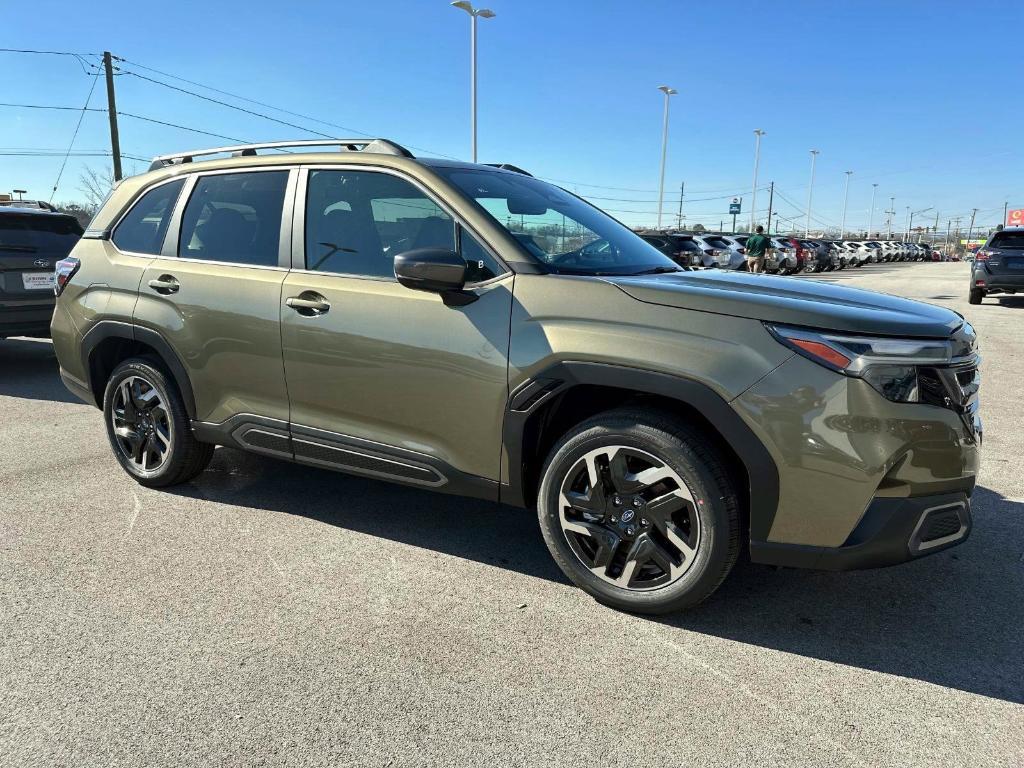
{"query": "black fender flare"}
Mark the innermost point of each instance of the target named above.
(531, 395)
(114, 329)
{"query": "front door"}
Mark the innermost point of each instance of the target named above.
(382, 379)
(214, 292)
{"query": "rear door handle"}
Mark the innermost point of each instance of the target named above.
(309, 304)
(165, 284)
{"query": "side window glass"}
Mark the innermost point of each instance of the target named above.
(235, 217)
(356, 222)
(142, 230)
(480, 265)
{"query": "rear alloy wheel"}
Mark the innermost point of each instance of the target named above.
(975, 296)
(638, 512)
(148, 427)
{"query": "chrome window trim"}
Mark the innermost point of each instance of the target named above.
(128, 209)
(299, 229)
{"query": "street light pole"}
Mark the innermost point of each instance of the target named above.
(810, 192)
(485, 13)
(871, 216)
(846, 199)
(758, 133)
(891, 212)
(664, 148)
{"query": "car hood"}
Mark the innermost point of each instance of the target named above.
(792, 301)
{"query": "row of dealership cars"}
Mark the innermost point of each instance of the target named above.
(788, 255)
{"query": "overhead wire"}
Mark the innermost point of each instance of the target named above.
(74, 135)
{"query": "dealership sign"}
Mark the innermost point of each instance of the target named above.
(1015, 218)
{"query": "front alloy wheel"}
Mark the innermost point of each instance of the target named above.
(629, 518)
(638, 509)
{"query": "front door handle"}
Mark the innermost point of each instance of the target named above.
(309, 304)
(165, 284)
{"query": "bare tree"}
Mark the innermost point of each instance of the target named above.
(95, 185)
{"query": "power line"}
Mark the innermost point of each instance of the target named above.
(74, 136)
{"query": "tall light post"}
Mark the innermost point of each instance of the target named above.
(907, 234)
(669, 92)
(871, 216)
(484, 13)
(810, 192)
(891, 212)
(846, 199)
(758, 133)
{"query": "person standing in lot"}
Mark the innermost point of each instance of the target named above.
(757, 246)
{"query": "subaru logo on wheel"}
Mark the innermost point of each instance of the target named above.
(627, 516)
(41, 263)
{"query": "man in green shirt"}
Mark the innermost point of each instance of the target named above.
(757, 246)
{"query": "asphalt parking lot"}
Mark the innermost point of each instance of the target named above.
(270, 614)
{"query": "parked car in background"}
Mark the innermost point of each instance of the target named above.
(862, 252)
(32, 241)
(785, 257)
(716, 251)
(682, 249)
(732, 245)
(998, 265)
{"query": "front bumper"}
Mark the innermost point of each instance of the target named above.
(892, 531)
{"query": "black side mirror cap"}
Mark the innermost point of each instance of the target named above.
(436, 270)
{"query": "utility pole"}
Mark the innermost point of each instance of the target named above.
(1006, 205)
(679, 218)
(971, 228)
(115, 141)
(949, 222)
(771, 201)
(891, 212)
(935, 229)
(909, 219)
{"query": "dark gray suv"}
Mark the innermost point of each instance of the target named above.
(999, 265)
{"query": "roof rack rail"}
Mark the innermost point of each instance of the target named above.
(510, 167)
(380, 146)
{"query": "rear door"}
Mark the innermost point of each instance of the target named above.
(31, 243)
(214, 291)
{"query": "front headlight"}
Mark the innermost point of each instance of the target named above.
(890, 365)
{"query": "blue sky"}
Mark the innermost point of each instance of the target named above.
(909, 95)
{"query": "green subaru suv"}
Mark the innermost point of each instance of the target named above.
(473, 330)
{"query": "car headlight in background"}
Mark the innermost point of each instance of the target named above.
(890, 365)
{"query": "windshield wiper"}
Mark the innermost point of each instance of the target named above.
(657, 271)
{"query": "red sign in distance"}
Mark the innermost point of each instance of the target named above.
(1015, 218)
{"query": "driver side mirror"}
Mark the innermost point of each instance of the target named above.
(436, 270)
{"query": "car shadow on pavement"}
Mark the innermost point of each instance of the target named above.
(953, 619)
(28, 369)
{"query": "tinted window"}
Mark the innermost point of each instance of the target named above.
(356, 222)
(30, 233)
(480, 265)
(1007, 240)
(716, 242)
(142, 230)
(235, 217)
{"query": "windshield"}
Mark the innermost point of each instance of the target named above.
(35, 233)
(557, 228)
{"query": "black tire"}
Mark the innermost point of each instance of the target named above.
(181, 456)
(975, 296)
(713, 504)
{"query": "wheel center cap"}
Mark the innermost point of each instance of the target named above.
(628, 515)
